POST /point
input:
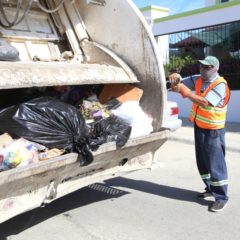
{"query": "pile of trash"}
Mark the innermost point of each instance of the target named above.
(70, 119)
(21, 152)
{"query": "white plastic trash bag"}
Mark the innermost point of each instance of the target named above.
(133, 114)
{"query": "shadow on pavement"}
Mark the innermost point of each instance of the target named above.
(157, 189)
(91, 194)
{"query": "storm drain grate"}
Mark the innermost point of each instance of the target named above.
(106, 189)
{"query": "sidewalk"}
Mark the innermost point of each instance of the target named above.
(185, 135)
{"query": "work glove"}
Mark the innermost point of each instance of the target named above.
(174, 78)
(183, 90)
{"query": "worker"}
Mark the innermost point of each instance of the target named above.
(208, 115)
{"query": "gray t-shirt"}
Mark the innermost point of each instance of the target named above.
(215, 97)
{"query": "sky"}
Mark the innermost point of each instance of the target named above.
(175, 6)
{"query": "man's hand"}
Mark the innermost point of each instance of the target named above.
(174, 78)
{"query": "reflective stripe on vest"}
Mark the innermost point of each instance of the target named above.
(209, 117)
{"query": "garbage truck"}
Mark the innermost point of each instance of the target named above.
(102, 42)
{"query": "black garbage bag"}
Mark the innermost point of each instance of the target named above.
(51, 123)
(111, 129)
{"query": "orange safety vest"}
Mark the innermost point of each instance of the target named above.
(209, 117)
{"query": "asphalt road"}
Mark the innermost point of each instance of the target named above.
(144, 205)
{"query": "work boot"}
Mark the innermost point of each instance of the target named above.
(218, 206)
(204, 195)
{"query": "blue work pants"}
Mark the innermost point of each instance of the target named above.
(210, 156)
